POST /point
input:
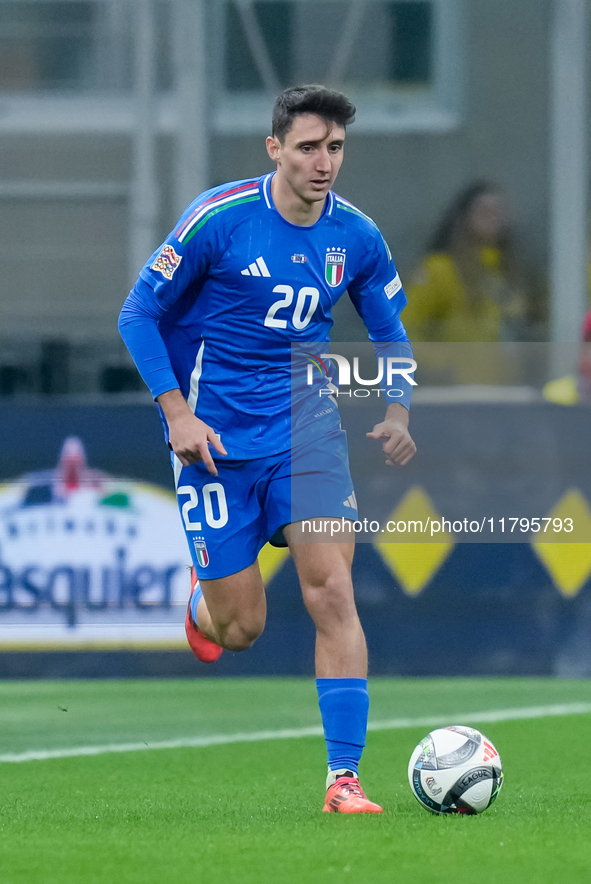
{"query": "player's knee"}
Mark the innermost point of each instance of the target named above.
(331, 599)
(241, 636)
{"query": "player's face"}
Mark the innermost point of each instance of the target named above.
(309, 159)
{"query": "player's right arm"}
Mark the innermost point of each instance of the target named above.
(188, 435)
(170, 273)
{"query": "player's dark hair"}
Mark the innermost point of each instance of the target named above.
(332, 106)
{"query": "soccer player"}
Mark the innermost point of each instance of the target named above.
(252, 267)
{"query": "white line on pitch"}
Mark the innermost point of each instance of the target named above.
(490, 715)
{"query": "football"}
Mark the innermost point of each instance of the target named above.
(455, 770)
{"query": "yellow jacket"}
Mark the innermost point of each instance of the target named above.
(439, 308)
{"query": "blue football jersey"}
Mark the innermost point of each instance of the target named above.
(218, 306)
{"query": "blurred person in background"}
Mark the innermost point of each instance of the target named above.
(469, 287)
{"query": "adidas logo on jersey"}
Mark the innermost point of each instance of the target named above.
(351, 501)
(257, 268)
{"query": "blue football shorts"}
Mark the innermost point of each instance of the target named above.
(228, 518)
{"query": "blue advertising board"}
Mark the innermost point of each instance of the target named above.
(94, 568)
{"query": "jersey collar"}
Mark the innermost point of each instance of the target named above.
(329, 203)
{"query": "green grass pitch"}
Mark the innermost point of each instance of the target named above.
(250, 812)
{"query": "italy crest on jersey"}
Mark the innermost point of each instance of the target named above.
(334, 267)
(201, 552)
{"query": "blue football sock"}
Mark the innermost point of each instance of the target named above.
(195, 601)
(344, 706)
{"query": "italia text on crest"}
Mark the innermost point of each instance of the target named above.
(334, 266)
(201, 551)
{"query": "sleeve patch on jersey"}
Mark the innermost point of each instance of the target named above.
(393, 286)
(166, 261)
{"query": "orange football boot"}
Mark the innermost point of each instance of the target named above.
(204, 649)
(347, 796)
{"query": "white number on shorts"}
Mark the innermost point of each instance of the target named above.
(191, 504)
(298, 322)
(188, 506)
(222, 505)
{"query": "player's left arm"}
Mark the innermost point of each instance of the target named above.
(398, 446)
(379, 298)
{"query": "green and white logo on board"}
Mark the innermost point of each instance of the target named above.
(334, 266)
